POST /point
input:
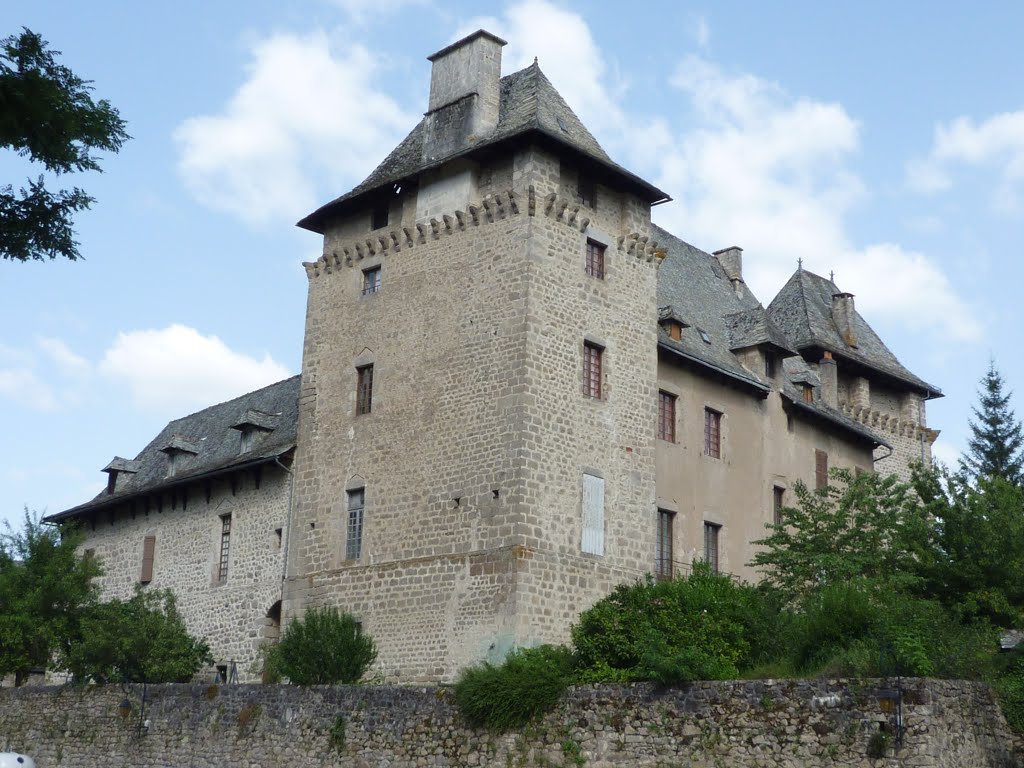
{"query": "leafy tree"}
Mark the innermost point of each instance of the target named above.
(977, 553)
(324, 647)
(996, 446)
(45, 589)
(862, 527)
(48, 115)
(142, 639)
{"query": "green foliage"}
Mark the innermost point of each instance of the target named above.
(50, 117)
(878, 745)
(976, 562)
(1008, 680)
(996, 446)
(857, 527)
(142, 639)
(45, 588)
(338, 734)
(704, 626)
(526, 685)
(325, 647)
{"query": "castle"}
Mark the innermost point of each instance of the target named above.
(516, 393)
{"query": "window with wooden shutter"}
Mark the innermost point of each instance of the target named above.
(820, 469)
(593, 515)
(148, 553)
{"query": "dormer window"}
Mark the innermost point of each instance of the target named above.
(770, 364)
(116, 467)
(671, 322)
(178, 449)
(253, 426)
(808, 393)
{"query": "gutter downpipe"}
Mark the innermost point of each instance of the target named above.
(288, 522)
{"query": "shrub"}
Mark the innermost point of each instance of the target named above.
(526, 685)
(703, 626)
(1008, 681)
(323, 648)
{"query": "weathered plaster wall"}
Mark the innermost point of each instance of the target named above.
(946, 724)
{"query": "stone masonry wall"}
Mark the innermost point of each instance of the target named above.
(231, 615)
(473, 453)
(945, 724)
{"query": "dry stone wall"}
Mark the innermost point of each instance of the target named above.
(945, 724)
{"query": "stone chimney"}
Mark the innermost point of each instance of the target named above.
(731, 259)
(465, 91)
(844, 316)
(829, 375)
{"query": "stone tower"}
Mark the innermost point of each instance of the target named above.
(476, 459)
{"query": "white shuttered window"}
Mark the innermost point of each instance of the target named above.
(593, 515)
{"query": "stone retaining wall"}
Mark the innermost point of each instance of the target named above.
(759, 723)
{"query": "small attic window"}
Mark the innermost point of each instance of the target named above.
(561, 124)
(675, 330)
(586, 191)
(253, 425)
(704, 336)
(808, 393)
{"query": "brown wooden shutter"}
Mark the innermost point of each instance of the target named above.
(148, 552)
(820, 469)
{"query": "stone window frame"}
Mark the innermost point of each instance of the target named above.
(594, 369)
(364, 389)
(592, 538)
(778, 502)
(224, 552)
(371, 280)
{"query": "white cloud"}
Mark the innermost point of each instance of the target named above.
(23, 386)
(69, 362)
(761, 169)
(176, 369)
(946, 453)
(306, 124)
(996, 143)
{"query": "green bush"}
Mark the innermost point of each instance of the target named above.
(702, 626)
(1007, 677)
(323, 648)
(526, 685)
(142, 639)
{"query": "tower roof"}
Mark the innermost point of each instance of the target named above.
(803, 309)
(530, 109)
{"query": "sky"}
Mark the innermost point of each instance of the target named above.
(883, 142)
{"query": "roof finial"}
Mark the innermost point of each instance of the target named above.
(832, 275)
(799, 264)
(534, 61)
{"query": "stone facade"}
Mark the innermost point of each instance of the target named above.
(793, 724)
(236, 613)
(477, 432)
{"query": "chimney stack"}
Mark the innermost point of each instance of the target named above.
(465, 92)
(731, 259)
(844, 315)
(829, 375)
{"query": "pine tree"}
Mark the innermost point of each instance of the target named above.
(995, 447)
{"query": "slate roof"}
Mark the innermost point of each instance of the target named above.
(529, 106)
(803, 310)
(694, 289)
(210, 432)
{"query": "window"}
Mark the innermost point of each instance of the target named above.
(808, 393)
(711, 545)
(354, 541)
(364, 389)
(173, 461)
(769, 365)
(712, 433)
(379, 217)
(595, 259)
(675, 330)
(586, 191)
(247, 440)
(663, 545)
(148, 555)
(592, 369)
(820, 469)
(667, 416)
(704, 336)
(778, 502)
(225, 547)
(593, 515)
(371, 281)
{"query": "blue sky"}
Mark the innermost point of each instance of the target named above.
(884, 141)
